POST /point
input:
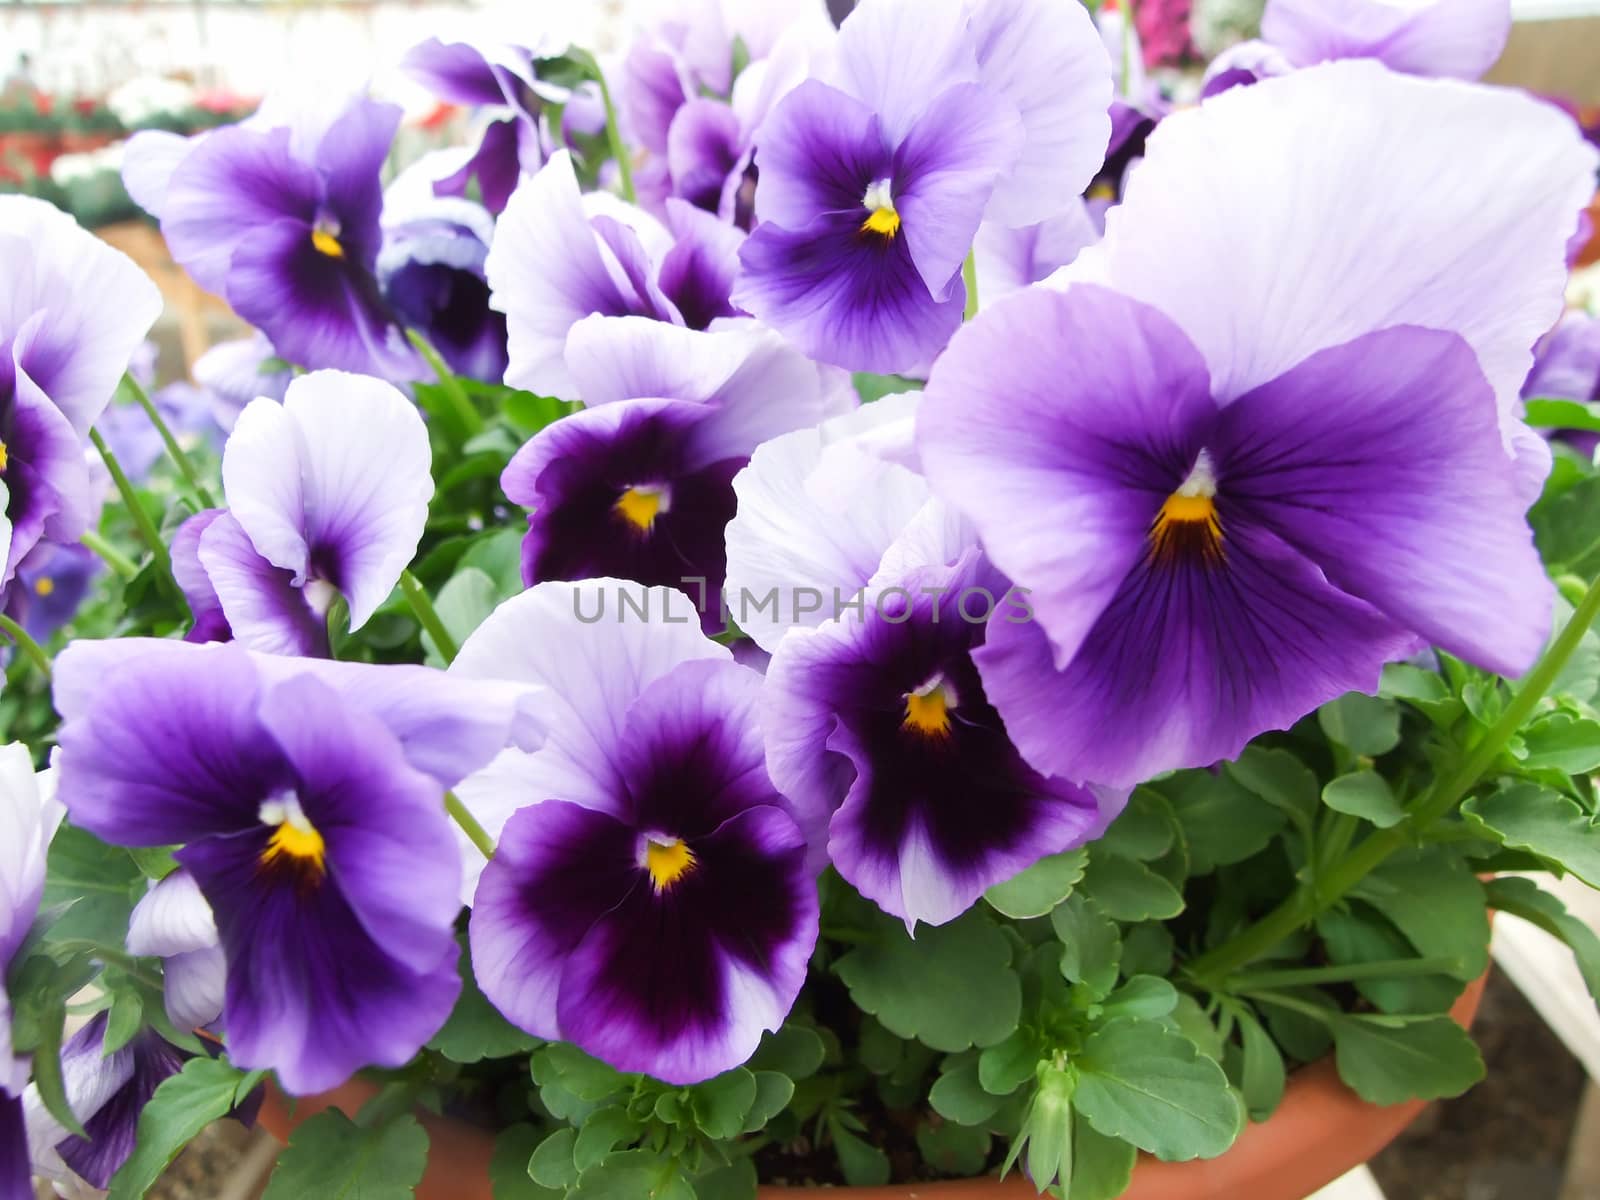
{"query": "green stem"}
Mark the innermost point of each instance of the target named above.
(969, 276)
(1329, 887)
(619, 152)
(460, 403)
(114, 558)
(1400, 968)
(34, 652)
(428, 616)
(174, 451)
(475, 832)
(141, 519)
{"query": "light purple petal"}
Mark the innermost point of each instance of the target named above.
(453, 71)
(1009, 259)
(895, 56)
(818, 153)
(260, 603)
(196, 986)
(1461, 38)
(173, 918)
(29, 815)
(1047, 59)
(210, 623)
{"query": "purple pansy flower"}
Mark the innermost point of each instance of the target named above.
(189, 412)
(874, 182)
(72, 314)
(1009, 259)
(281, 219)
(1219, 481)
(175, 924)
(877, 726)
(327, 495)
(1459, 39)
(29, 815)
(559, 256)
(205, 606)
(502, 80)
(650, 899)
(237, 372)
(431, 269)
(309, 801)
(639, 483)
(1566, 366)
(50, 585)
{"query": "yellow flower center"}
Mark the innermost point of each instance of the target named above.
(928, 709)
(640, 506)
(667, 862)
(44, 585)
(4, 458)
(882, 218)
(1188, 526)
(295, 843)
(326, 242)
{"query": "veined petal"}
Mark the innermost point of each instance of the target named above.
(698, 272)
(195, 984)
(173, 918)
(30, 815)
(1189, 661)
(1336, 457)
(1461, 38)
(1010, 259)
(817, 152)
(895, 56)
(259, 603)
(453, 71)
(350, 157)
(210, 623)
(149, 158)
(1059, 423)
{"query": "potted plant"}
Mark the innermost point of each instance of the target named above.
(755, 636)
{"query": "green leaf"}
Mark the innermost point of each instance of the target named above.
(722, 1104)
(508, 1169)
(531, 413)
(1048, 1130)
(1102, 1167)
(1144, 997)
(101, 884)
(959, 1095)
(604, 1130)
(476, 1030)
(773, 1093)
(1567, 528)
(951, 988)
(206, 1090)
(1562, 742)
(1280, 779)
(863, 1165)
(1361, 724)
(39, 1016)
(551, 1164)
(124, 1021)
(1189, 1019)
(1388, 1060)
(1358, 934)
(875, 387)
(330, 1157)
(1129, 891)
(1007, 1065)
(1224, 821)
(1555, 413)
(1041, 887)
(462, 604)
(794, 1050)
(954, 1149)
(1364, 794)
(1523, 898)
(1142, 1083)
(156, 862)
(736, 1181)
(1529, 817)
(1262, 1076)
(1090, 946)
(1433, 898)
(1143, 830)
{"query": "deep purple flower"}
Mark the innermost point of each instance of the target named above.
(29, 815)
(72, 314)
(502, 80)
(649, 900)
(559, 256)
(50, 586)
(327, 495)
(281, 219)
(639, 483)
(877, 726)
(431, 269)
(309, 801)
(1222, 489)
(1459, 39)
(873, 183)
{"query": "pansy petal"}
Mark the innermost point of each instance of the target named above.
(1047, 59)
(1009, 259)
(793, 555)
(351, 156)
(338, 1003)
(1188, 662)
(945, 172)
(698, 272)
(98, 304)
(1059, 423)
(453, 71)
(817, 153)
(158, 758)
(30, 815)
(195, 986)
(1470, 195)
(703, 147)
(112, 1130)
(259, 603)
(856, 302)
(383, 821)
(210, 623)
(1338, 457)
(558, 869)
(16, 1182)
(895, 56)
(682, 984)
(173, 918)
(1462, 38)
(588, 645)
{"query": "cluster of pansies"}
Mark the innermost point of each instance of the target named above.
(788, 469)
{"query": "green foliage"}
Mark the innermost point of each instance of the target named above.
(508, 1169)
(476, 1030)
(204, 1091)
(1041, 887)
(1523, 898)
(1434, 899)
(1390, 1059)
(1532, 818)
(1364, 794)
(331, 1157)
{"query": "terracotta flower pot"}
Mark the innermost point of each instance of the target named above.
(1320, 1131)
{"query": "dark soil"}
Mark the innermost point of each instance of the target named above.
(1506, 1139)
